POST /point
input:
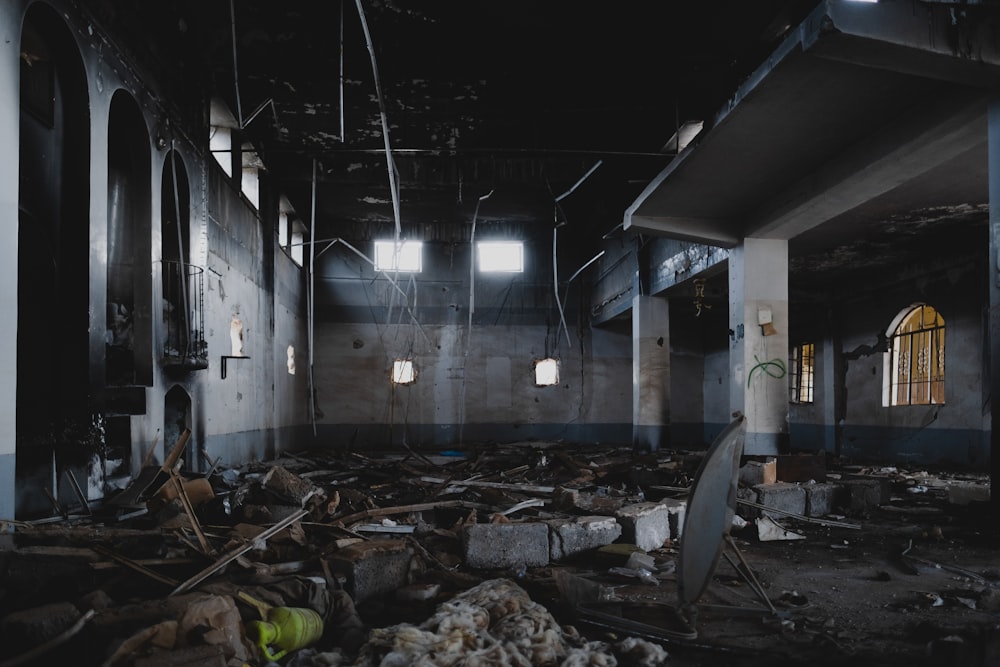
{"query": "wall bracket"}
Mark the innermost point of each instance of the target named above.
(224, 358)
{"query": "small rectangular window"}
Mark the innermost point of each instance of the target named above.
(801, 373)
(501, 256)
(403, 372)
(404, 256)
(546, 372)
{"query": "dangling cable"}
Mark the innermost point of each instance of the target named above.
(390, 164)
(180, 251)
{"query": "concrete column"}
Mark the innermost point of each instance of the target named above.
(10, 46)
(650, 372)
(994, 287)
(758, 353)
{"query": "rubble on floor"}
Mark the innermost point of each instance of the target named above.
(396, 558)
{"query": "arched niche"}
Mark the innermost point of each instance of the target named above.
(128, 350)
(176, 418)
(175, 224)
(53, 297)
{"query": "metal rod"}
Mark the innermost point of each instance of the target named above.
(582, 179)
(180, 252)
(341, 37)
(236, 73)
(310, 299)
(749, 573)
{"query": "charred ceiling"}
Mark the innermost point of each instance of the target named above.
(519, 99)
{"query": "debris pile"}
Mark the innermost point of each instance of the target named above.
(397, 558)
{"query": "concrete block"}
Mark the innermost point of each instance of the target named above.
(31, 627)
(568, 537)
(505, 545)
(647, 525)
(821, 498)
(753, 473)
(783, 496)
(863, 495)
(963, 493)
(373, 568)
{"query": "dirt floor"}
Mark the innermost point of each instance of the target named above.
(914, 580)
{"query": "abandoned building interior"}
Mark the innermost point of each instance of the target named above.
(499, 333)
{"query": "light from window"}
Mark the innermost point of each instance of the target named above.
(403, 372)
(250, 182)
(802, 373)
(402, 256)
(916, 359)
(501, 256)
(283, 229)
(298, 241)
(546, 372)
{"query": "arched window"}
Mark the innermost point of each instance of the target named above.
(915, 360)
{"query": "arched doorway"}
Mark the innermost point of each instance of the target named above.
(176, 418)
(128, 352)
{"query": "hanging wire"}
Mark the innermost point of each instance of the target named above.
(390, 164)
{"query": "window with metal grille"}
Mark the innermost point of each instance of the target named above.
(802, 372)
(915, 360)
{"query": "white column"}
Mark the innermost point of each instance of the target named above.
(10, 44)
(758, 320)
(650, 372)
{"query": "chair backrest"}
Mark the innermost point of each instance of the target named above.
(710, 508)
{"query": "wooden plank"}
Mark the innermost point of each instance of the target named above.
(404, 509)
(175, 453)
(523, 488)
(132, 565)
(206, 546)
(239, 551)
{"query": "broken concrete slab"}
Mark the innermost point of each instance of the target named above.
(568, 537)
(647, 525)
(373, 568)
(289, 486)
(505, 545)
(753, 473)
(596, 503)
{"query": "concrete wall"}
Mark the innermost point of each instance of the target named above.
(245, 276)
(847, 416)
(472, 386)
(955, 432)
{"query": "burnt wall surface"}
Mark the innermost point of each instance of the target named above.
(100, 377)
